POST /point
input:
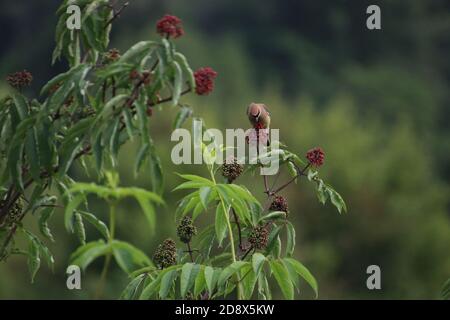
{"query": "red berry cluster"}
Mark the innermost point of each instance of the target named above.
(19, 79)
(204, 80)
(315, 156)
(170, 26)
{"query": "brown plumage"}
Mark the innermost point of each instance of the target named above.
(259, 115)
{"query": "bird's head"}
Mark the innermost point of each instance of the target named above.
(255, 110)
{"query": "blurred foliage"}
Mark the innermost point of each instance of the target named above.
(375, 101)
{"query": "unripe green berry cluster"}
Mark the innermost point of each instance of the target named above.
(166, 254)
(186, 230)
(231, 169)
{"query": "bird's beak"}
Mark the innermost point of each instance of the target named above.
(258, 115)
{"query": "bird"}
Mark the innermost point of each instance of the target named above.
(259, 115)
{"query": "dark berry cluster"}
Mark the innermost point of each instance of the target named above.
(19, 79)
(14, 212)
(111, 56)
(279, 204)
(259, 237)
(186, 230)
(315, 156)
(145, 77)
(170, 26)
(231, 169)
(204, 80)
(166, 254)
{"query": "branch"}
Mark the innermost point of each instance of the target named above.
(116, 13)
(299, 174)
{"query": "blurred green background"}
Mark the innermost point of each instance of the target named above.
(377, 102)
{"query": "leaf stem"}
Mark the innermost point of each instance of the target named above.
(112, 227)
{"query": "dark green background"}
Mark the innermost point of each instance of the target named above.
(376, 101)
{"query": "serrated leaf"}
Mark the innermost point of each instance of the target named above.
(283, 279)
(87, 253)
(177, 84)
(258, 260)
(303, 272)
(45, 215)
(230, 271)
(132, 289)
(70, 209)
(79, 228)
(220, 224)
(290, 239)
(128, 257)
(167, 283)
(182, 115)
(211, 278)
(204, 194)
(200, 282)
(189, 272)
(96, 222)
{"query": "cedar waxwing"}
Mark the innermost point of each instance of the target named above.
(259, 115)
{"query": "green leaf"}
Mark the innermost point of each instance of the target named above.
(273, 216)
(230, 270)
(71, 143)
(37, 249)
(45, 215)
(152, 288)
(304, 273)
(20, 104)
(204, 194)
(32, 153)
(137, 51)
(283, 279)
(87, 253)
(167, 283)
(243, 192)
(290, 241)
(312, 174)
(189, 272)
(337, 200)
(186, 69)
(70, 209)
(177, 84)
(132, 289)
(79, 228)
(191, 185)
(273, 239)
(196, 178)
(182, 115)
(211, 277)
(200, 282)
(258, 260)
(97, 223)
(445, 292)
(292, 170)
(128, 257)
(186, 205)
(263, 287)
(221, 224)
(248, 281)
(34, 260)
(109, 107)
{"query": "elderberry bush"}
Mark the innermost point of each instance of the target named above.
(85, 116)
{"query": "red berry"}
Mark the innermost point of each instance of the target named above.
(315, 156)
(170, 26)
(204, 80)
